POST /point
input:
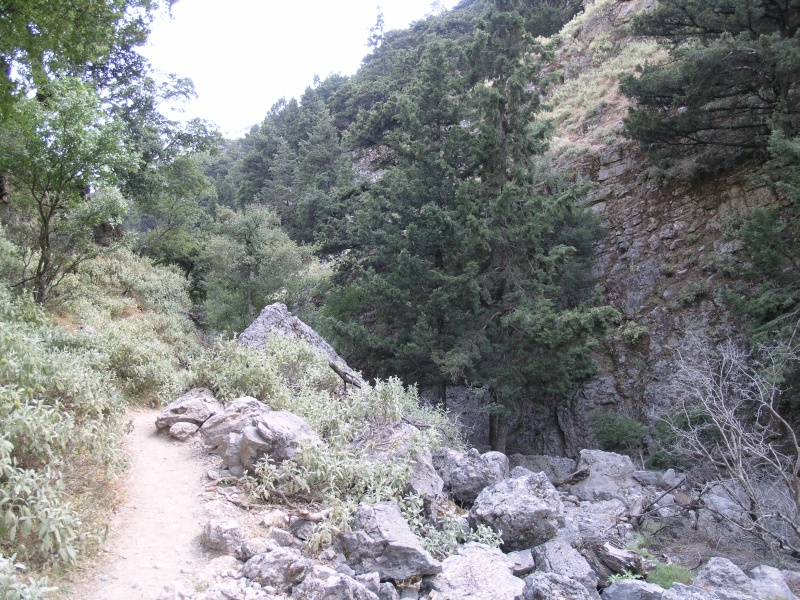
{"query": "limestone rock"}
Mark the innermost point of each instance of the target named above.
(475, 572)
(278, 434)
(634, 589)
(195, 406)
(526, 510)
(281, 568)
(721, 575)
(609, 475)
(323, 583)
(769, 582)
(465, 475)
(237, 415)
(380, 540)
(555, 467)
(224, 535)
(394, 442)
(183, 431)
(276, 319)
(558, 556)
(551, 586)
(523, 562)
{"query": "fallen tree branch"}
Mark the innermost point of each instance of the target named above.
(347, 376)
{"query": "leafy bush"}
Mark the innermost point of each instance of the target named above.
(665, 575)
(11, 588)
(616, 432)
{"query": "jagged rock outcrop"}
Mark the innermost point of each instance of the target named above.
(526, 509)
(381, 541)
(477, 572)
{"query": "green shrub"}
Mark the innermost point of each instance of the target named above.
(616, 432)
(665, 575)
(693, 292)
(11, 588)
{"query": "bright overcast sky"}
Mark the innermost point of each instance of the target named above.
(244, 55)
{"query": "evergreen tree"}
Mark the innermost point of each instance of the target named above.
(730, 82)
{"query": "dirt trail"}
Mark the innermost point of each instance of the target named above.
(154, 536)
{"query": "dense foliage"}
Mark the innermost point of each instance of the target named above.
(730, 82)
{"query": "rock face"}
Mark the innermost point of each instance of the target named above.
(465, 475)
(380, 540)
(195, 407)
(555, 467)
(476, 572)
(276, 318)
(526, 509)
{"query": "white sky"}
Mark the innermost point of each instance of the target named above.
(244, 55)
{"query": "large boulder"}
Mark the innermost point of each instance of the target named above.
(558, 556)
(610, 475)
(397, 442)
(224, 535)
(769, 582)
(465, 475)
(594, 520)
(557, 468)
(279, 434)
(526, 509)
(276, 319)
(380, 540)
(237, 415)
(551, 586)
(725, 580)
(195, 406)
(475, 572)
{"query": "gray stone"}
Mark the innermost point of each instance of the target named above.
(769, 582)
(381, 540)
(680, 591)
(224, 535)
(558, 556)
(281, 568)
(237, 415)
(476, 572)
(396, 442)
(609, 475)
(634, 589)
(183, 431)
(323, 583)
(276, 319)
(388, 592)
(278, 434)
(526, 510)
(551, 586)
(284, 538)
(593, 520)
(257, 545)
(555, 467)
(651, 478)
(195, 406)
(727, 581)
(523, 562)
(465, 475)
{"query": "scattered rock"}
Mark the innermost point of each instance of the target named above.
(237, 415)
(323, 583)
(380, 540)
(465, 475)
(196, 406)
(477, 572)
(523, 562)
(526, 510)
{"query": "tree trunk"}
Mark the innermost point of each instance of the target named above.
(443, 396)
(251, 309)
(498, 432)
